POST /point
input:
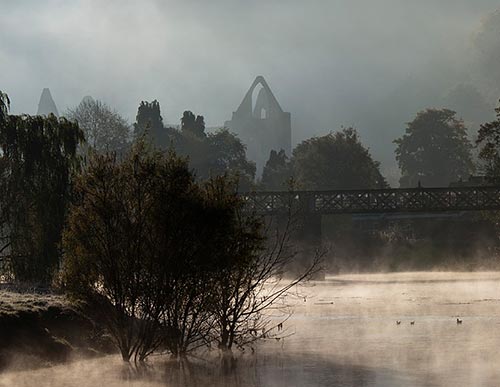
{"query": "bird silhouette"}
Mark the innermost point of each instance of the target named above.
(459, 321)
(412, 322)
(398, 322)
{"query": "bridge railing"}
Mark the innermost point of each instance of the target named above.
(375, 201)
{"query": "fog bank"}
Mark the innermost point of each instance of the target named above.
(330, 63)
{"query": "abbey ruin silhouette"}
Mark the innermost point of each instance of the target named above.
(262, 126)
(47, 105)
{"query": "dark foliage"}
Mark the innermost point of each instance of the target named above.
(38, 155)
(225, 155)
(209, 154)
(213, 154)
(435, 150)
(193, 125)
(277, 172)
(169, 262)
(335, 161)
(117, 243)
(150, 122)
(141, 244)
(488, 141)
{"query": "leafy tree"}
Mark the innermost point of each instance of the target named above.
(277, 172)
(210, 155)
(169, 262)
(38, 155)
(435, 150)
(103, 127)
(149, 121)
(213, 154)
(489, 142)
(227, 155)
(193, 125)
(195, 237)
(143, 244)
(117, 247)
(336, 161)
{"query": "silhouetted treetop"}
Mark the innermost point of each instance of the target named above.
(488, 141)
(435, 150)
(228, 156)
(103, 127)
(277, 171)
(336, 161)
(150, 121)
(192, 124)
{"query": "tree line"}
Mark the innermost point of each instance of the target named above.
(41, 155)
(435, 150)
(164, 260)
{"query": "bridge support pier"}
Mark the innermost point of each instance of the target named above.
(309, 230)
(305, 240)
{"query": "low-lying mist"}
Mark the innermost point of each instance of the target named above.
(343, 332)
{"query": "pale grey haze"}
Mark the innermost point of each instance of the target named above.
(370, 64)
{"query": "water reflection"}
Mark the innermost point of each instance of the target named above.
(344, 335)
(259, 371)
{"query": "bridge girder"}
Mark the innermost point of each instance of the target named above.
(397, 200)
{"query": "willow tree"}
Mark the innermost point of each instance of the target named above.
(38, 155)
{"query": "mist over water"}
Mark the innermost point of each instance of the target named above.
(343, 334)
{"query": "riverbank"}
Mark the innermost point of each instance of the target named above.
(39, 329)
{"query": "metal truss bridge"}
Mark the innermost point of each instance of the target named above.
(397, 200)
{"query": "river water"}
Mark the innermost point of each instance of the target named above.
(343, 332)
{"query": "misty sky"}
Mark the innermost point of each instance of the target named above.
(371, 64)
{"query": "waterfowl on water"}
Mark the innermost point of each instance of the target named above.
(459, 321)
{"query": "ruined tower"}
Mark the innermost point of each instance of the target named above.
(46, 104)
(262, 126)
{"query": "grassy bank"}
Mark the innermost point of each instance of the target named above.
(42, 328)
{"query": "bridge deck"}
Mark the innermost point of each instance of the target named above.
(395, 200)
